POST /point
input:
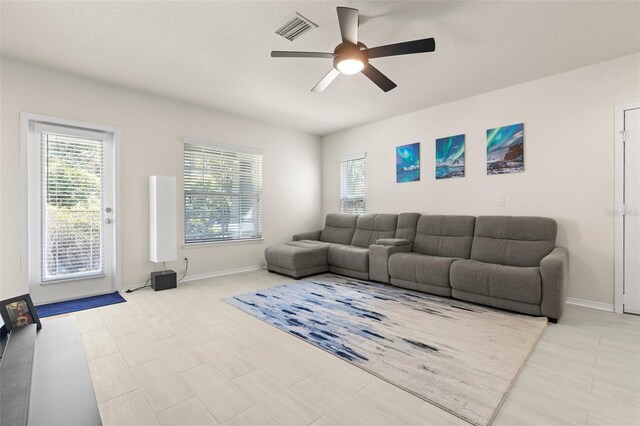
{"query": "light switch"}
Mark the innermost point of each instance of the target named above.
(500, 200)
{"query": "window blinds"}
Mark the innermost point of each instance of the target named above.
(72, 192)
(222, 194)
(353, 185)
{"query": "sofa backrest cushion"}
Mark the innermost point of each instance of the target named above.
(513, 240)
(406, 228)
(372, 227)
(447, 236)
(339, 228)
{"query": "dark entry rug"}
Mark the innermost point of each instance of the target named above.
(58, 308)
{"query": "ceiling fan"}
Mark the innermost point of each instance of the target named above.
(352, 56)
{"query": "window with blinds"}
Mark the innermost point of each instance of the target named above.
(222, 193)
(353, 185)
(71, 199)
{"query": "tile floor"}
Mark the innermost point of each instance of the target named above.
(183, 357)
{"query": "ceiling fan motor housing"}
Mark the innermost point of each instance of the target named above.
(346, 50)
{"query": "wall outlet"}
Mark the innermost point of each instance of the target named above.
(501, 201)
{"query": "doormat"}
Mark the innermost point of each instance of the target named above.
(58, 308)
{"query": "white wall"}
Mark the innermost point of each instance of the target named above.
(152, 130)
(568, 143)
(569, 162)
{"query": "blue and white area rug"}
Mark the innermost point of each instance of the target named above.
(459, 356)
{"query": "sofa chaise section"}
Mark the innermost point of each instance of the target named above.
(297, 258)
(307, 254)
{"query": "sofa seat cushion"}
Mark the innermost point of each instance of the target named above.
(349, 257)
(522, 284)
(297, 255)
(310, 243)
(420, 268)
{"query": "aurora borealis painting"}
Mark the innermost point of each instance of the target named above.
(505, 149)
(408, 163)
(450, 157)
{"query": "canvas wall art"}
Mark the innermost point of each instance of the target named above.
(505, 149)
(450, 157)
(408, 163)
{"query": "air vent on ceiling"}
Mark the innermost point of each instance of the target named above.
(295, 27)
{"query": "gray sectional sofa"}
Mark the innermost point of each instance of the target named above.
(507, 262)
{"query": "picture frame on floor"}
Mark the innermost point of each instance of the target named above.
(19, 312)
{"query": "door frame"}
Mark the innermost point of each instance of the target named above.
(25, 119)
(618, 206)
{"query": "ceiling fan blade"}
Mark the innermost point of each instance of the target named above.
(405, 48)
(287, 54)
(381, 80)
(348, 19)
(326, 80)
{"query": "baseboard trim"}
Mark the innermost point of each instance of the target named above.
(202, 276)
(221, 273)
(590, 304)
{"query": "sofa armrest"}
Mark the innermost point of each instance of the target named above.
(393, 242)
(314, 235)
(554, 270)
(379, 260)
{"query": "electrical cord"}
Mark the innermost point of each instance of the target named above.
(186, 268)
(146, 284)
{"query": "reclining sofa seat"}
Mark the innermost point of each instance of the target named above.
(439, 241)
(352, 259)
(515, 265)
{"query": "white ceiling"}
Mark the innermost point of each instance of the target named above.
(216, 53)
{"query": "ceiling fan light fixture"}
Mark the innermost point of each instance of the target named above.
(352, 56)
(350, 66)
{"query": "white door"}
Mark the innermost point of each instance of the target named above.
(71, 211)
(631, 299)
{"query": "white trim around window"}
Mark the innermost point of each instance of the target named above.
(353, 183)
(222, 193)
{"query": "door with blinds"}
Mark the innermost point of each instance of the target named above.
(71, 186)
